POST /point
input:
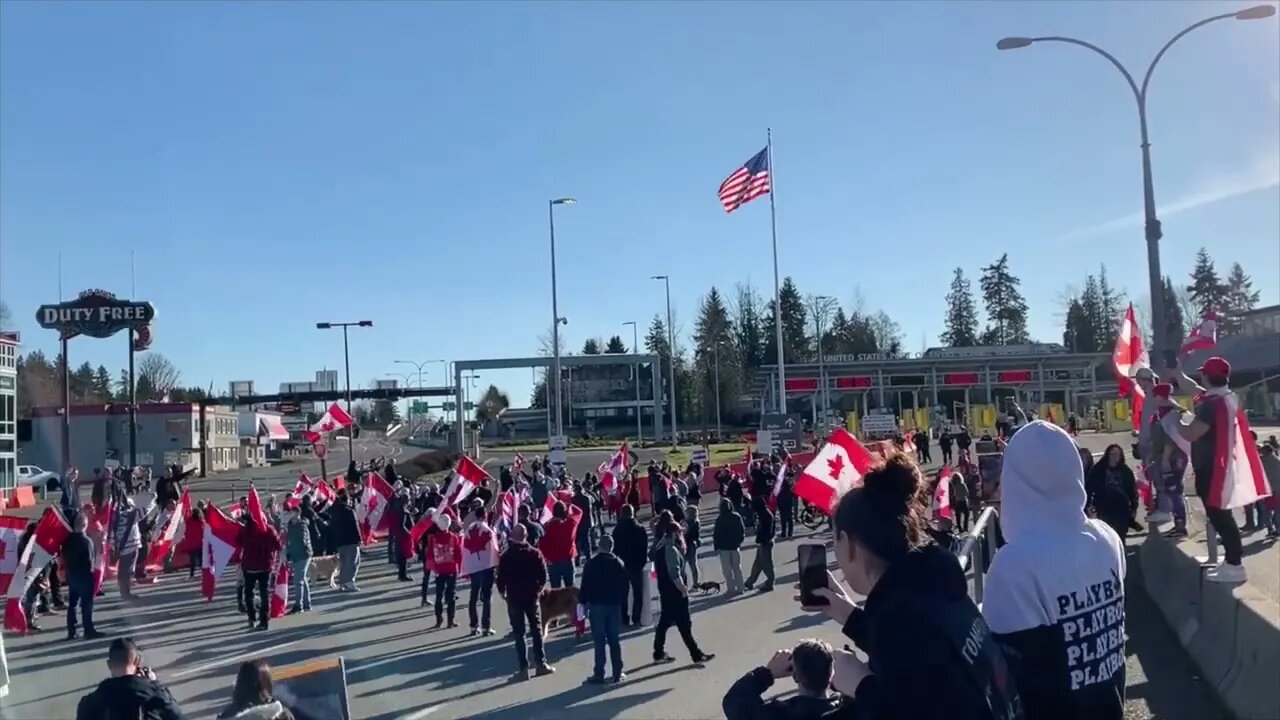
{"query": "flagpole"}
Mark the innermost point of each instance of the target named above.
(777, 291)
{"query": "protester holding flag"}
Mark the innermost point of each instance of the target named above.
(298, 552)
(258, 547)
(192, 539)
(444, 558)
(346, 540)
(479, 558)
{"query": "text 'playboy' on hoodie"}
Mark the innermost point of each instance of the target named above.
(1055, 592)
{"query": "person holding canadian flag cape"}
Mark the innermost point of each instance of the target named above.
(479, 562)
(1224, 460)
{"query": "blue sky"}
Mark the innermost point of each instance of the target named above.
(275, 164)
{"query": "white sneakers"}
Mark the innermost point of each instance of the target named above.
(1225, 573)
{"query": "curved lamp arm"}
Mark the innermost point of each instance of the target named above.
(1133, 85)
(1146, 80)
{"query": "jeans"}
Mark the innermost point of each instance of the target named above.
(482, 591)
(762, 564)
(124, 573)
(445, 586)
(1173, 498)
(80, 592)
(691, 562)
(194, 558)
(560, 574)
(731, 568)
(300, 578)
(256, 581)
(962, 517)
(583, 541)
(675, 612)
(527, 617)
(1224, 523)
(787, 519)
(606, 625)
(426, 584)
(348, 564)
(635, 585)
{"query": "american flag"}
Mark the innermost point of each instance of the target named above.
(746, 183)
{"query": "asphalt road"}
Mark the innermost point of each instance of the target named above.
(399, 668)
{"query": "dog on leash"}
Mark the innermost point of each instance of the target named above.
(324, 569)
(558, 603)
(710, 587)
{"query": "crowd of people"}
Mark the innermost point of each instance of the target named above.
(1048, 641)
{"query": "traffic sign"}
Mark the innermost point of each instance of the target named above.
(556, 445)
(419, 407)
(786, 431)
(288, 408)
(452, 406)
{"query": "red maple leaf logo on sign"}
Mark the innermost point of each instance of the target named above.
(327, 426)
(836, 465)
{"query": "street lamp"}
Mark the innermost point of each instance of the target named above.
(346, 360)
(1152, 223)
(715, 349)
(555, 306)
(671, 356)
(635, 348)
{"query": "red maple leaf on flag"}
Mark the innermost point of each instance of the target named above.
(327, 426)
(835, 465)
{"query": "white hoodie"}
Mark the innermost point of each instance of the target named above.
(1055, 592)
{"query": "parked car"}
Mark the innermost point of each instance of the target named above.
(34, 476)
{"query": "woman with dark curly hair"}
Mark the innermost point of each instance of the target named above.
(673, 594)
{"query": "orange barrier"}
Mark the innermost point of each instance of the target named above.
(23, 496)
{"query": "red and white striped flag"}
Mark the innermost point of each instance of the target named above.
(1203, 336)
(51, 532)
(280, 593)
(11, 529)
(837, 468)
(169, 532)
(941, 503)
(220, 533)
(1238, 479)
(1128, 357)
(747, 183)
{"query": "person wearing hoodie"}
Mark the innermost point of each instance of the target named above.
(479, 559)
(345, 531)
(131, 692)
(522, 578)
(809, 664)
(727, 536)
(673, 593)
(763, 562)
(1271, 468)
(558, 545)
(252, 697)
(1055, 591)
(631, 544)
(444, 558)
(298, 552)
(258, 549)
(930, 655)
(1112, 491)
(604, 593)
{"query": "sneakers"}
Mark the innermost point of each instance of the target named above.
(662, 658)
(704, 658)
(595, 680)
(1159, 518)
(1225, 573)
(439, 624)
(520, 675)
(93, 635)
(1178, 533)
(487, 632)
(619, 678)
(543, 670)
(475, 632)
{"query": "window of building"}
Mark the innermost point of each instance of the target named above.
(8, 415)
(8, 472)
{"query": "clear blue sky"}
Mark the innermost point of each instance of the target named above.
(275, 164)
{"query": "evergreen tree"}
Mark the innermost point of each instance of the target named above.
(1207, 290)
(1078, 330)
(962, 313)
(1240, 298)
(591, 347)
(146, 391)
(748, 328)
(1176, 324)
(82, 384)
(1111, 304)
(122, 387)
(855, 335)
(615, 346)
(795, 338)
(1089, 335)
(656, 340)
(1006, 308)
(713, 347)
(102, 384)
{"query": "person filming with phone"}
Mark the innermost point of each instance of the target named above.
(131, 692)
(930, 653)
(808, 664)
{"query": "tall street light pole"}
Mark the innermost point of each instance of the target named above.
(346, 360)
(671, 357)
(1153, 232)
(555, 308)
(421, 371)
(820, 306)
(635, 348)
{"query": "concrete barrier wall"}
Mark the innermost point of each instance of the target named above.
(1232, 632)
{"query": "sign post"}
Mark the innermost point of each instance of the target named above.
(321, 450)
(97, 314)
(785, 431)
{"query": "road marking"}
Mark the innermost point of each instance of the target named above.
(424, 712)
(263, 652)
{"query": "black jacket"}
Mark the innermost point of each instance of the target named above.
(583, 502)
(78, 555)
(131, 697)
(604, 581)
(764, 526)
(729, 531)
(343, 525)
(931, 654)
(744, 701)
(1112, 496)
(631, 543)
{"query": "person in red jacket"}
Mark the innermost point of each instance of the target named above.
(444, 558)
(558, 546)
(193, 540)
(258, 549)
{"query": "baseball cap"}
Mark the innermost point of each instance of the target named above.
(1216, 366)
(1144, 373)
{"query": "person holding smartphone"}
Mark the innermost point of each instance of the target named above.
(919, 628)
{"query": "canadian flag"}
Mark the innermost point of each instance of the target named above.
(255, 508)
(517, 462)
(11, 529)
(1203, 336)
(303, 486)
(335, 418)
(549, 506)
(614, 469)
(466, 478)
(1128, 358)
(280, 593)
(1238, 479)
(51, 532)
(373, 504)
(163, 543)
(324, 491)
(941, 503)
(220, 534)
(837, 468)
(777, 485)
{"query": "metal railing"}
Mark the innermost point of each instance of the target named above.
(975, 548)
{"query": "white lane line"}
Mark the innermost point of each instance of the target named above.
(424, 712)
(262, 652)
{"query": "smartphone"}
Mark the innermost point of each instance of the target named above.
(812, 559)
